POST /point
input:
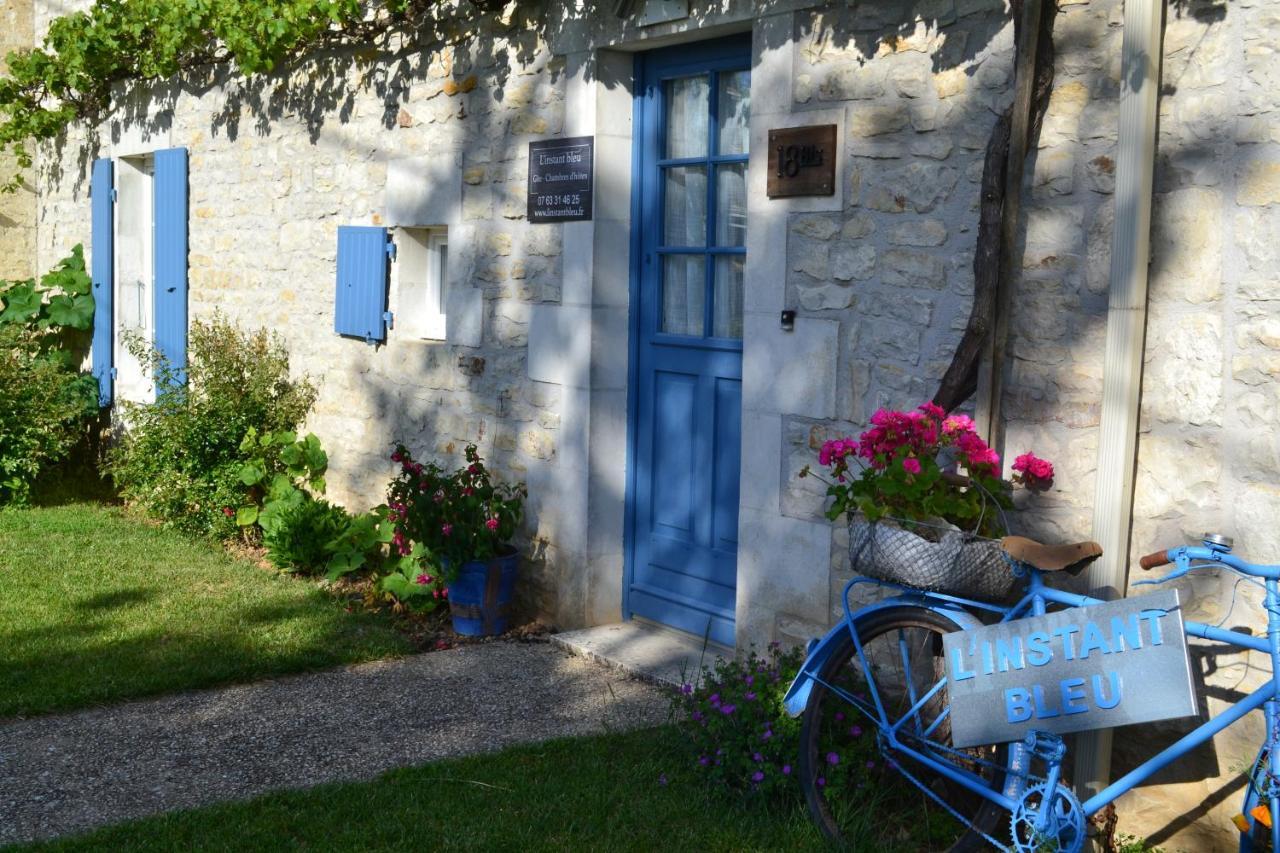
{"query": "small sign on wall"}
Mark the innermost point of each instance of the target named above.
(1072, 670)
(802, 161)
(560, 179)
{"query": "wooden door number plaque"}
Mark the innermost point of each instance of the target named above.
(802, 161)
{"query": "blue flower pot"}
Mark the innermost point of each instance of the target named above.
(480, 596)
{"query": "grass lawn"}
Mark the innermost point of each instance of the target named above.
(96, 606)
(601, 793)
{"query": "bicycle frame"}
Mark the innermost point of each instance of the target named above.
(1035, 602)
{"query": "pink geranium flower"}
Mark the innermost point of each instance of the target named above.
(1036, 473)
(911, 464)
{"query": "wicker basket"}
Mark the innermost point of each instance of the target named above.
(959, 563)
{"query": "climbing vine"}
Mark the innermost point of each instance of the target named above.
(74, 75)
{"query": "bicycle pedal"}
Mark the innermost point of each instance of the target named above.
(1046, 746)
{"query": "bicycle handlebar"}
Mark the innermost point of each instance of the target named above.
(1152, 561)
(1197, 557)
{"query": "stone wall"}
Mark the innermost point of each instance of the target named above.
(17, 210)
(922, 86)
(1208, 452)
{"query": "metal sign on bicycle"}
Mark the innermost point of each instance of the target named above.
(1083, 668)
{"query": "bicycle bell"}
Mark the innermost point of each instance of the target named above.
(1218, 541)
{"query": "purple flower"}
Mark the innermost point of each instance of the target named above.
(757, 757)
(833, 759)
(822, 783)
(714, 699)
(786, 770)
(767, 734)
(686, 688)
(751, 697)
(662, 780)
(871, 765)
(855, 731)
(749, 680)
(839, 717)
(758, 776)
(695, 716)
(728, 709)
(703, 760)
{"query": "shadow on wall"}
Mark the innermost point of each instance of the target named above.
(322, 88)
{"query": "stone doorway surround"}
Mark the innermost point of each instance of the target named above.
(582, 344)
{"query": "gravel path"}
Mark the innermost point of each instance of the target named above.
(71, 773)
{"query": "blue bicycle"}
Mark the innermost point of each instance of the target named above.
(885, 660)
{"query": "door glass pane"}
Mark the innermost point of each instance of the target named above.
(686, 214)
(688, 110)
(684, 283)
(731, 205)
(727, 319)
(734, 108)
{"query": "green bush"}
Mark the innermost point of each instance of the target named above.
(180, 458)
(306, 535)
(44, 408)
(46, 402)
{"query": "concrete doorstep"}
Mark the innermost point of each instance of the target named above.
(642, 649)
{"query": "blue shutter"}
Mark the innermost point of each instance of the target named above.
(360, 305)
(170, 189)
(102, 271)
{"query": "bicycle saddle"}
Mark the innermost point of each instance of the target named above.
(1051, 558)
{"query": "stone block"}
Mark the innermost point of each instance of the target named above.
(1183, 382)
(761, 469)
(1054, 172)
(812, 259)
(876, 119)
(883, 339)
(853, 82)
(821, 296)
(911, 268)
(920, 186)
(792, 373)
(423, 191)
(1169, 483)
(1258, 183)
(852, 261)
(1053, 237)
(782, 568)
(464, 316)
(815, 226)
(923, 232)
(1186, 246)
(858, 225)
(560, 344)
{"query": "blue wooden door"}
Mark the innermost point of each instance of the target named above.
(691, 138)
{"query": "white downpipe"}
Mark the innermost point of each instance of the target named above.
(1126, 326)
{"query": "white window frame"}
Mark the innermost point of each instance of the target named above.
(420, 282)
(137, 171)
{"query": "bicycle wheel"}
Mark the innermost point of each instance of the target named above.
(853, 796)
